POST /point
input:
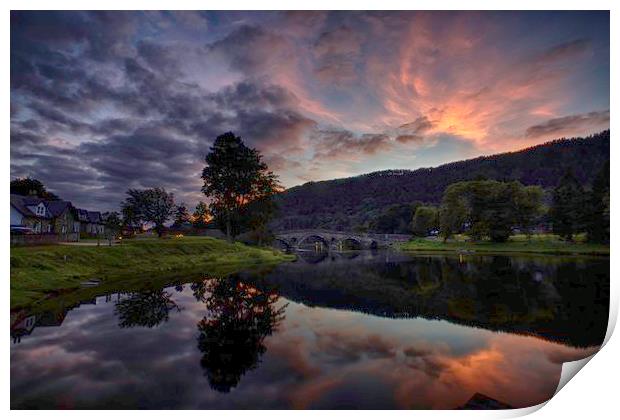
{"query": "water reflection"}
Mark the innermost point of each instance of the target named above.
(559, 299)
(145, 309)
(231, 336)
(355, 330)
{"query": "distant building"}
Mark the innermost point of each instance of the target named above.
(94, 224)
(36, 215)
(51, 220)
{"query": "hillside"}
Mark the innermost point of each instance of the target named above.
(349, 203)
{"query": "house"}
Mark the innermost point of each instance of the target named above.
(91, 222)
(96, 222)
(30, 214)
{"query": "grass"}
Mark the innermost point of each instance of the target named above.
(40, 271)
(537, 244)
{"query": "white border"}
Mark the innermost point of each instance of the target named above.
(593, 394)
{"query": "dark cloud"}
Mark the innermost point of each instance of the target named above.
(591, 121)
(337, 144)
(255, 95)
(252, 49)
(565, 51)
(336, 54)
(414, 131)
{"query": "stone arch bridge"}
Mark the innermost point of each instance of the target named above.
(328, 239)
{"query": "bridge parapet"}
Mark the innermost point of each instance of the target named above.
(294, 239)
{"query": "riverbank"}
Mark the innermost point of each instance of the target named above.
(537, 244)
(41, 271)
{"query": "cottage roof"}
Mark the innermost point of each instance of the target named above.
(54, 208)
(94, 217)
(23, 202)
(17, 201)
(57, 207)
(82, 215)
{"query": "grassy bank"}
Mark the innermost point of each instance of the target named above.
(537, 244)
(38, 272)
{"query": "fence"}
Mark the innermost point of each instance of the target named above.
(42, 238)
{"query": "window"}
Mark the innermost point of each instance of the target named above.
(41, 210)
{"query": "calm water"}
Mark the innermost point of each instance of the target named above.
(353, 330)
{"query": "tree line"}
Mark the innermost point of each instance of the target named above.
(495, 209)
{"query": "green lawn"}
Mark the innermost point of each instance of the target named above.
(537, 244)
(37, 272)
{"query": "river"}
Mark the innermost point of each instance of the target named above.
(368, 330)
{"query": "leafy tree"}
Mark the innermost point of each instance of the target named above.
(200, 218)
(425, 219)
(567, 209)
(488, 208)
(31, 186)
(113, 224)
(395, 218)
(130, 219)
(529, 207)
(153, 205)
(235, 176)
(597, 222)
(181, 215)
(255, 218)
(454, 210)
(500, 214)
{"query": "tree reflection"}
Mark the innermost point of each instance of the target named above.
(231, 336)
(144, 309)
(199, 289)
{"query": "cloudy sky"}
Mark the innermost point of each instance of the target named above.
(105, 101)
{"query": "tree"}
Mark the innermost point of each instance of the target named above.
(529, 207)
(113, 224)
(488, 208)
(597, 221)
(153, 205)
(200, 218)
(567, 209)
(235, 176)
(455, 210)
(395, 218)
(254, 218)
(425, 219)
(31, 186)
(181, 215)
(130, 220)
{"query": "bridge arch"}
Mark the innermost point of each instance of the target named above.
(282, 244)
(311, 239)
(352, 243)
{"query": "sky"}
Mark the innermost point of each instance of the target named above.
(106, 101)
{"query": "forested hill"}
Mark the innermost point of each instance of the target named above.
(352, 203)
